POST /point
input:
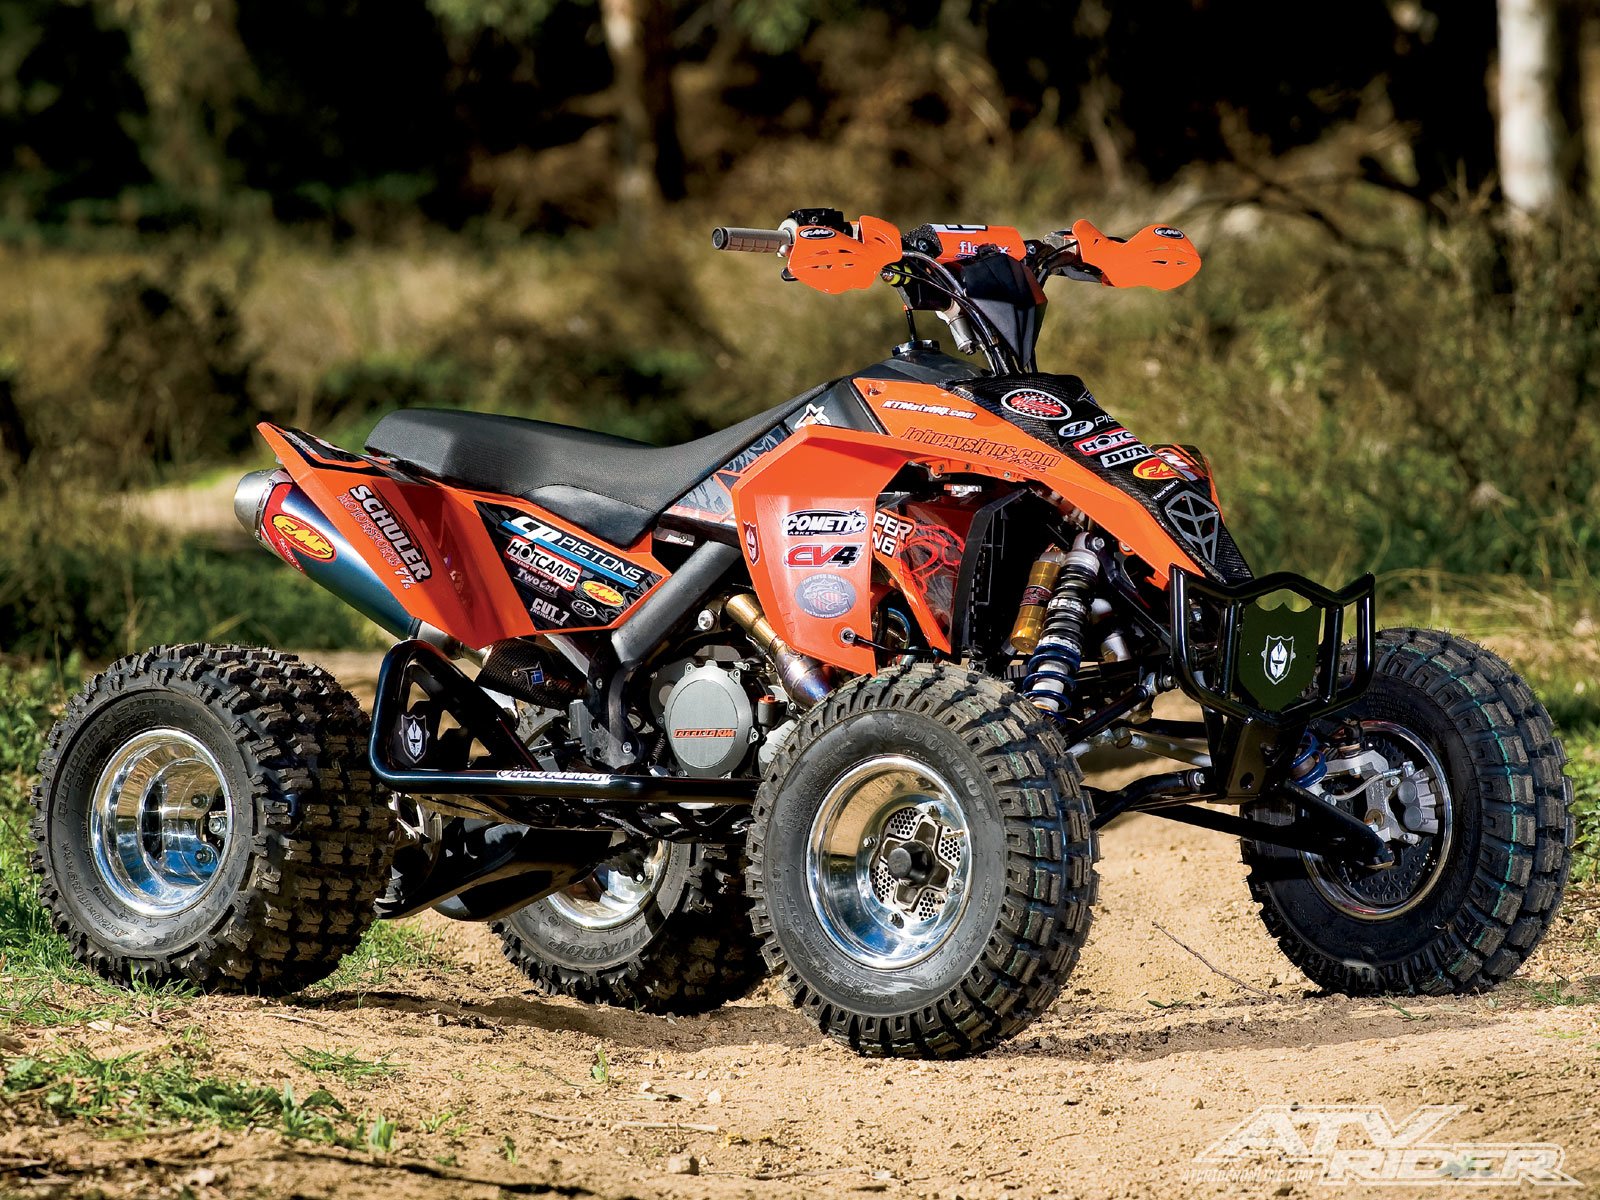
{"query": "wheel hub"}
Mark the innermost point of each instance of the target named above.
(1404, 796)
(888, 864)
(616, 891)
(160, 821)
(919, 878)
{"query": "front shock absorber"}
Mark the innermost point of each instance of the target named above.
(1052, 672)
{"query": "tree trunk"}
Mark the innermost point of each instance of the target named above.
(1529, 167)
(649, 154)
(1588, 99)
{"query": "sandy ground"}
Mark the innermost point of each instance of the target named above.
(1149, 1057)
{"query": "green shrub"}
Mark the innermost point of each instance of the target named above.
(78, 575)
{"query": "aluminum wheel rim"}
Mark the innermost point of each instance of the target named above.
(160, 822)
(877, 917)
(610, 896)
(1337, 892)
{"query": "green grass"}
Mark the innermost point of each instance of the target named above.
(349, 1067)
(389, 950)
(134, 1093)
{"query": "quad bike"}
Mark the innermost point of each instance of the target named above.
(808, 694)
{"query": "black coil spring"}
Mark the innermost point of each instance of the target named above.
(1053, 668)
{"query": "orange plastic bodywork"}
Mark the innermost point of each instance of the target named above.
(984, 444)
(833, 262)
(461, 586)
(819, 470)
(1158, 256)
(843, 471)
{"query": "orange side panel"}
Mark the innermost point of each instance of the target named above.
(957, 436)
(806, 511)
(429, 543)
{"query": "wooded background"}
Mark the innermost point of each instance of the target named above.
(160, 114)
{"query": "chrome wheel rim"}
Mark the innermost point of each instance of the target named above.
(1383, 895)
(612, 895)
(160, 822)
(889, 862)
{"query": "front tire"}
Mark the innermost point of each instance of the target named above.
(921, 863)
(206, 813)
(1462, 909)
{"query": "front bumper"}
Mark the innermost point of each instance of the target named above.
(1278, 666)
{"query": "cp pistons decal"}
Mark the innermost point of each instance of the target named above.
(565, 580)
(1031, 402)
(825, 596)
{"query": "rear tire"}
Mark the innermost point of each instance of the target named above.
(205, 813)
(1476, 910)
(677, 942)
(922, 864)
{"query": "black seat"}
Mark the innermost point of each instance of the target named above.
(610, 486)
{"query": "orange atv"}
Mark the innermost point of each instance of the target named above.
(808, 694)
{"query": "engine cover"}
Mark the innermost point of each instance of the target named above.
(708, 720)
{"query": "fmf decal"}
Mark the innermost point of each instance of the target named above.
(824, 522)
(540, 561)
(889, 533)
(982, 447)
(1030, 402)
(303, 538)
(603, 593)
(752, 542)
(1168, 463)
(826, 596)
(572, 546)
(399, 548)
(821, 554)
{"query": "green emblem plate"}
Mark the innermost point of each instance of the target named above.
(1277, 653)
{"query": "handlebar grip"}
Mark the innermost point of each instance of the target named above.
(752, 241)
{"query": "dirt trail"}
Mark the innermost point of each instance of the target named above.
(1148, 1058)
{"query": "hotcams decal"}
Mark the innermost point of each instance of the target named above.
(566, 581)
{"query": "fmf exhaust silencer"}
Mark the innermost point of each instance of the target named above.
(282, 518)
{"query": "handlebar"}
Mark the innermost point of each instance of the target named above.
(752, 241)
